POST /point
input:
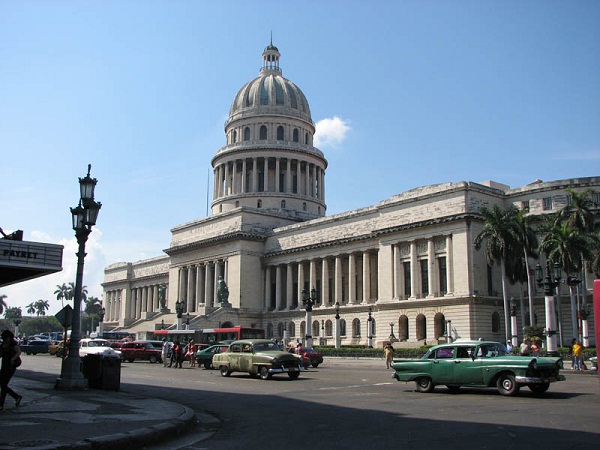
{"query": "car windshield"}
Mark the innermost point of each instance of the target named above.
(98, 344)
(266, 346)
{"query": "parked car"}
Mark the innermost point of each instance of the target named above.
(96, 347)
(258, 357)
(53, 348)
(594, 361)
(155, 344)
(311, 357)
(478, 364)
(140, 350)
(35, 346)
(205, 356)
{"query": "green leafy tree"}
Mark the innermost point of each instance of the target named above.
(12, 313)
(92, 309)
(62, 292)
(41, 306)
(31, 309)
(498, 233)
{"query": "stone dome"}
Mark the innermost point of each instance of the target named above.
(270, 93)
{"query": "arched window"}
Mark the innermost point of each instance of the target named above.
(356, 328)
(295, 135)
(234, 136)
(269, 331)
(315, 328)
(280, 328)
(282, 204)
(403, 328)
(226, 325)
(421, 323)
(328, 328)
(439, 325)
(263, 132)
(342, 327)
(304, 206)
(495, 322)
(247, 133)
(259, 203)
(280, 133)
(237, 203)
(292, 328)
(306, 139)
(302, 329)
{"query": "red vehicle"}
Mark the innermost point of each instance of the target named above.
(140, 350)
(311, 357)
(211, 336)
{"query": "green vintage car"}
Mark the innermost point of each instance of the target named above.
(478, 364)
(258, 357)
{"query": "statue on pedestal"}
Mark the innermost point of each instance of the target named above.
(222, 291)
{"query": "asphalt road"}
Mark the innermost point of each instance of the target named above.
(355, 404)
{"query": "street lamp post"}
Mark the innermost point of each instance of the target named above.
(179, 311)
(101, 315)
(17, 321)
(309, 301)
(448, 324)
(338, 331)
(84, 218)
(573, 282)
(370, 329)
(549, 283)
(513, 322)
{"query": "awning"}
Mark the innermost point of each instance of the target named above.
(22, 260)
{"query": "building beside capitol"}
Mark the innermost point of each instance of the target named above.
(408, 262)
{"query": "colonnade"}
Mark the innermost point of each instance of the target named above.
(264, 174)
(142, 299)
(112, 305)
(197, 283)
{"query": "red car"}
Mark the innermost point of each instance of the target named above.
(310, 357)
(140, 350)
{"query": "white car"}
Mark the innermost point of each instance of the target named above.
(97, 347)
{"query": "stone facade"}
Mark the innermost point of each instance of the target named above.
(408, 262)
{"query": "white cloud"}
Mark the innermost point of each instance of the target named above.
(331, 132)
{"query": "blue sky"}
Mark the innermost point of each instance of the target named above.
(404, 94)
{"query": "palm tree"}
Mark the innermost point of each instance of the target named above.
(12, 313)
(71, 292)
(526, 239)
(92, 308)
(31, 309)
(578, 213)
(3, 304)
(61, 293)
(41, 306)
(499, 233)
(594, 262)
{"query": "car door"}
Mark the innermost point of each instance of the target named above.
(442, 366)
(234, 357)
(467, 369)
(246, 358)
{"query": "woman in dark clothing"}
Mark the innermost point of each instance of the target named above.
(10, 352)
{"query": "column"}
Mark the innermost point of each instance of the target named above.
(267, 288)
(208, 299)
(144, 298)
(266, 175)
(366, 277)
(200, 298)
(415, 286)
(226, 184)
(338, 280)
(278, 287)
(138, 303)
(397, 272)
(300, 281)
(277, 175)
(191, 289)
(352, 279)
(155, 300)
(289, 291)
(307, 184)
(322, 185)
(215, 182)
(312, 275)
(218, 274)
(254, 175)
(431, 272)
(298, 177)
(325, 281)
(449, 271)
(288, 176)
(244, 182)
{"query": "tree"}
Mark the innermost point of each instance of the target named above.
(62, 292)
(499, 234)
(578, 213)
(3, 304)
(31, 309)
(41, 306)
(93, 306)
(12, 313)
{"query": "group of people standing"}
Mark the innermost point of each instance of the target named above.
(174, 353)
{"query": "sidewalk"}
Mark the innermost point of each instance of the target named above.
(93, 419)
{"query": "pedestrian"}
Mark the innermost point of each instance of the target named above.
(178, 350)
(174, 349)
(190, 353)
(571, 353)
(535, 348)
(509, 347)
(388, 351)
(11, 359)
(577, 354)
(525, 349)
(165, 351)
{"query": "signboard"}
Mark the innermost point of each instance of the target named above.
(22, 260)
(65, 316)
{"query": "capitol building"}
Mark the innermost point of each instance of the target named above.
(407, 263)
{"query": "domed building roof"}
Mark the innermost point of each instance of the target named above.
(270, 93)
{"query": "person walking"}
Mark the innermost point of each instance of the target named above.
(577, 352)
(388, 351)
(525, 349)
(11, 359)
(190, 353)
(165, 351)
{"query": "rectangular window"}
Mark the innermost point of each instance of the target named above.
(489, 280)
(596, 198)
(547, 203)
(442, 275)
(525, 205)
(424, 277)
(407, 288)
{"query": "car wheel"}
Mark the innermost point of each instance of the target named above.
(153, 359)
(264, 373)
(539, 388)
(207, 365)
(315, 365)
(453, 388)
(293, 375)
(225, 372)
(507, 385)
(28, 352)
(424, 384)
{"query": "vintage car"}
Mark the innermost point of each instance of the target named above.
(36, 346)
(204, 356)
(310, 357)
(478, 364)
(97, 347)
(140, 350)
(258, 357)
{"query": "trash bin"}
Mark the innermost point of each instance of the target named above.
(103, 371)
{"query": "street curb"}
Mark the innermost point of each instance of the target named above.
(132, 439)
